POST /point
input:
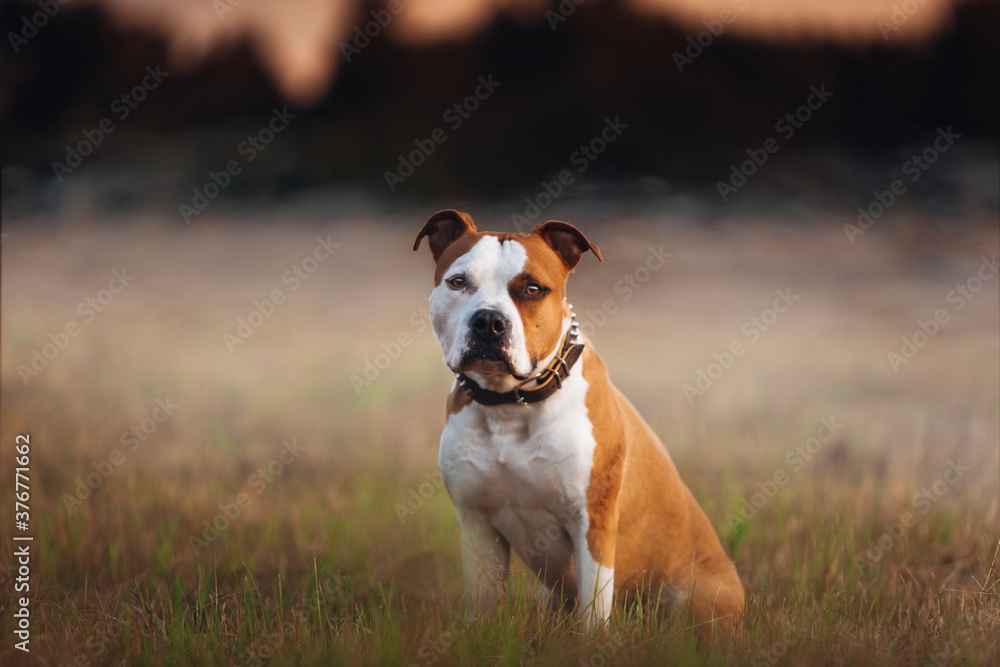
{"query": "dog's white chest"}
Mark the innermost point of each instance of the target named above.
(525, 469)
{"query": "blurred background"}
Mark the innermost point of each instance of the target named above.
(362, 93)
(212, 203)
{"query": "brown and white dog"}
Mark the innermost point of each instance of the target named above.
(542, 454)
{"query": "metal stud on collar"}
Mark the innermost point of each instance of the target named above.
(574, 326)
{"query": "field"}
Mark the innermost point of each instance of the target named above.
(210, 492)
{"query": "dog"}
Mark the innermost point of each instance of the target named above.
(541, 453)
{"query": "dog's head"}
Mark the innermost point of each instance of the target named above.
(498, 306)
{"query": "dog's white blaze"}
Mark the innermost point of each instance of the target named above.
(524, 470)
(488, 267)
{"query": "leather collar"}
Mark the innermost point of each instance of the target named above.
(549, 380)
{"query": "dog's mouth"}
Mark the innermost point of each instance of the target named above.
(487, 360)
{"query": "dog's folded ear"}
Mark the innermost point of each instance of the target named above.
(568, 241)
(443, 228)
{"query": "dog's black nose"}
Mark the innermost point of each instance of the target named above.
(489, 325)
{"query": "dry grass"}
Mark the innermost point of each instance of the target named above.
(319, 569)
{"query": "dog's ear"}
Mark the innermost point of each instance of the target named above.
(443, 228)
(568, 241)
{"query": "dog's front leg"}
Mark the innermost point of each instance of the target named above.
(594, 553)
(485, 561)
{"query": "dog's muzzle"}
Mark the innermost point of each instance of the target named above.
(488, 338)
(489, 326)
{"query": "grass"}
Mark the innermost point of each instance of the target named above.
(323, 565)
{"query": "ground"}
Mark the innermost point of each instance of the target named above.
(206, 490)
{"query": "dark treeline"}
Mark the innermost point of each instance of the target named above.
(556, 90)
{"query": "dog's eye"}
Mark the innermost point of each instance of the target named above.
(533, 289)
(457, 283)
